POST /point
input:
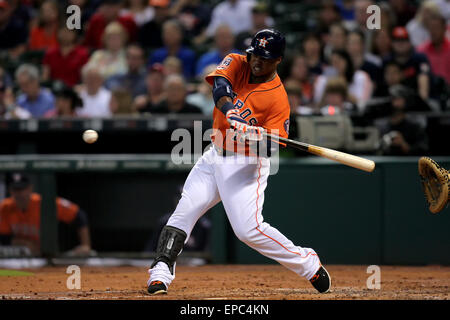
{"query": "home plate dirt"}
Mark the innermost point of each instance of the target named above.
(216, 282)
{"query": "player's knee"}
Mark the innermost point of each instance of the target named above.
(245, 235)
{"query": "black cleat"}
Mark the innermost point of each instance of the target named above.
(321, 280)
(157, 287)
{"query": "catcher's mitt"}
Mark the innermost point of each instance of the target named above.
(435, 182)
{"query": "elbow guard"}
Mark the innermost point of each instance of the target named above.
(222, 88)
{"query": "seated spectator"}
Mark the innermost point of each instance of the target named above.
(172, 65)
(139, 10)
(312, 51)
(87, 9)
(400, 135)
(392, 76)
(108, 12)
(134, 79)
(417, 27)
(120, 103)
(381, 45)
(173, 46)
(64, 62)
(44, 35)
(8, 107)
(260, 20)
(328, 14)
(437, 49)
(359, 84)
(13, 32)
(335, 99)
(150, 34)
(203, 98)
(415, 66)
(67, 103)
(20, 218)
(175, 101)
(36, 100)
(112, 59)
(155, 91)
(299, 72)
(361, 60)
(360, 23)
(296, 99)
(404, 11)
(237, 14)
(223, 45)
(194, 16)
(337, 39)
(95, 97)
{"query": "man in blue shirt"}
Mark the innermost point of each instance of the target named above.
(173, 46)
(224, 44)
(36, 100)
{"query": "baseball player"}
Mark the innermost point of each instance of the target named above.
(249, 100)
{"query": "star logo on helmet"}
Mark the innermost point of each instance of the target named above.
(263, 42)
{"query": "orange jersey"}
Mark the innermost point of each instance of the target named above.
(25, 224)
(261, 104)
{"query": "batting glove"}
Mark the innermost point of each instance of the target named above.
(244, 131)
(233, 115)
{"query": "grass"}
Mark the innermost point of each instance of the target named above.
(14, 273)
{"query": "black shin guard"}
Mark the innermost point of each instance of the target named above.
(170, 244)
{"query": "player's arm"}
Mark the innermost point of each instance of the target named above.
(223, 98)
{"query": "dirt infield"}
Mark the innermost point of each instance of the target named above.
(229, 282)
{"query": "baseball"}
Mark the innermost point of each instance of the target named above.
(90, 136)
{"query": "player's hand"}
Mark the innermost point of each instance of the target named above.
(233, 115)
(244, 131)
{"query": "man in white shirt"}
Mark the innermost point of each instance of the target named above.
(237, 14)
(95, 97)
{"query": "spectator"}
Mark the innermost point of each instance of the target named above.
(359, 83)
(150, 34)
(403, 10)
(296, 99)
(417, 27)
(415, 66)
(362, 60)
(36, 100)
(112, 59)
(392, 76)
(193, 15)
(203, 98)
(87, 8)
(155, 91)
(335, 99)
(139, 10)
(108, 12)
(173, 46)
(175, 101)
(172, 65)
(65, 61)
(361, 16)
(134, 80)
(13, 32)
(337, 39)
(329, 14)
(400, 135)
(67, 103)
(260, 20)
(237, 14)
(437, 49)
(45, 34)
(381, 45)
(312, 52)
(20, 218)
(95, 97)
(346, 10)
(120, 103)
(300, 74)
(223, 45)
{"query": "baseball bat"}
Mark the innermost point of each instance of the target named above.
(341, 157)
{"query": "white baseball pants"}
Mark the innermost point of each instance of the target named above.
(239, 182)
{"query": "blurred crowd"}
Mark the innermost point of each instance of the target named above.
(150, 56)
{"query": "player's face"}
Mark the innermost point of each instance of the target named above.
(22, 197)
(263, 67)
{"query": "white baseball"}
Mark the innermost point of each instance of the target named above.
(90, 136)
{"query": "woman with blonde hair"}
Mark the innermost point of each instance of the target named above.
(112, 59)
